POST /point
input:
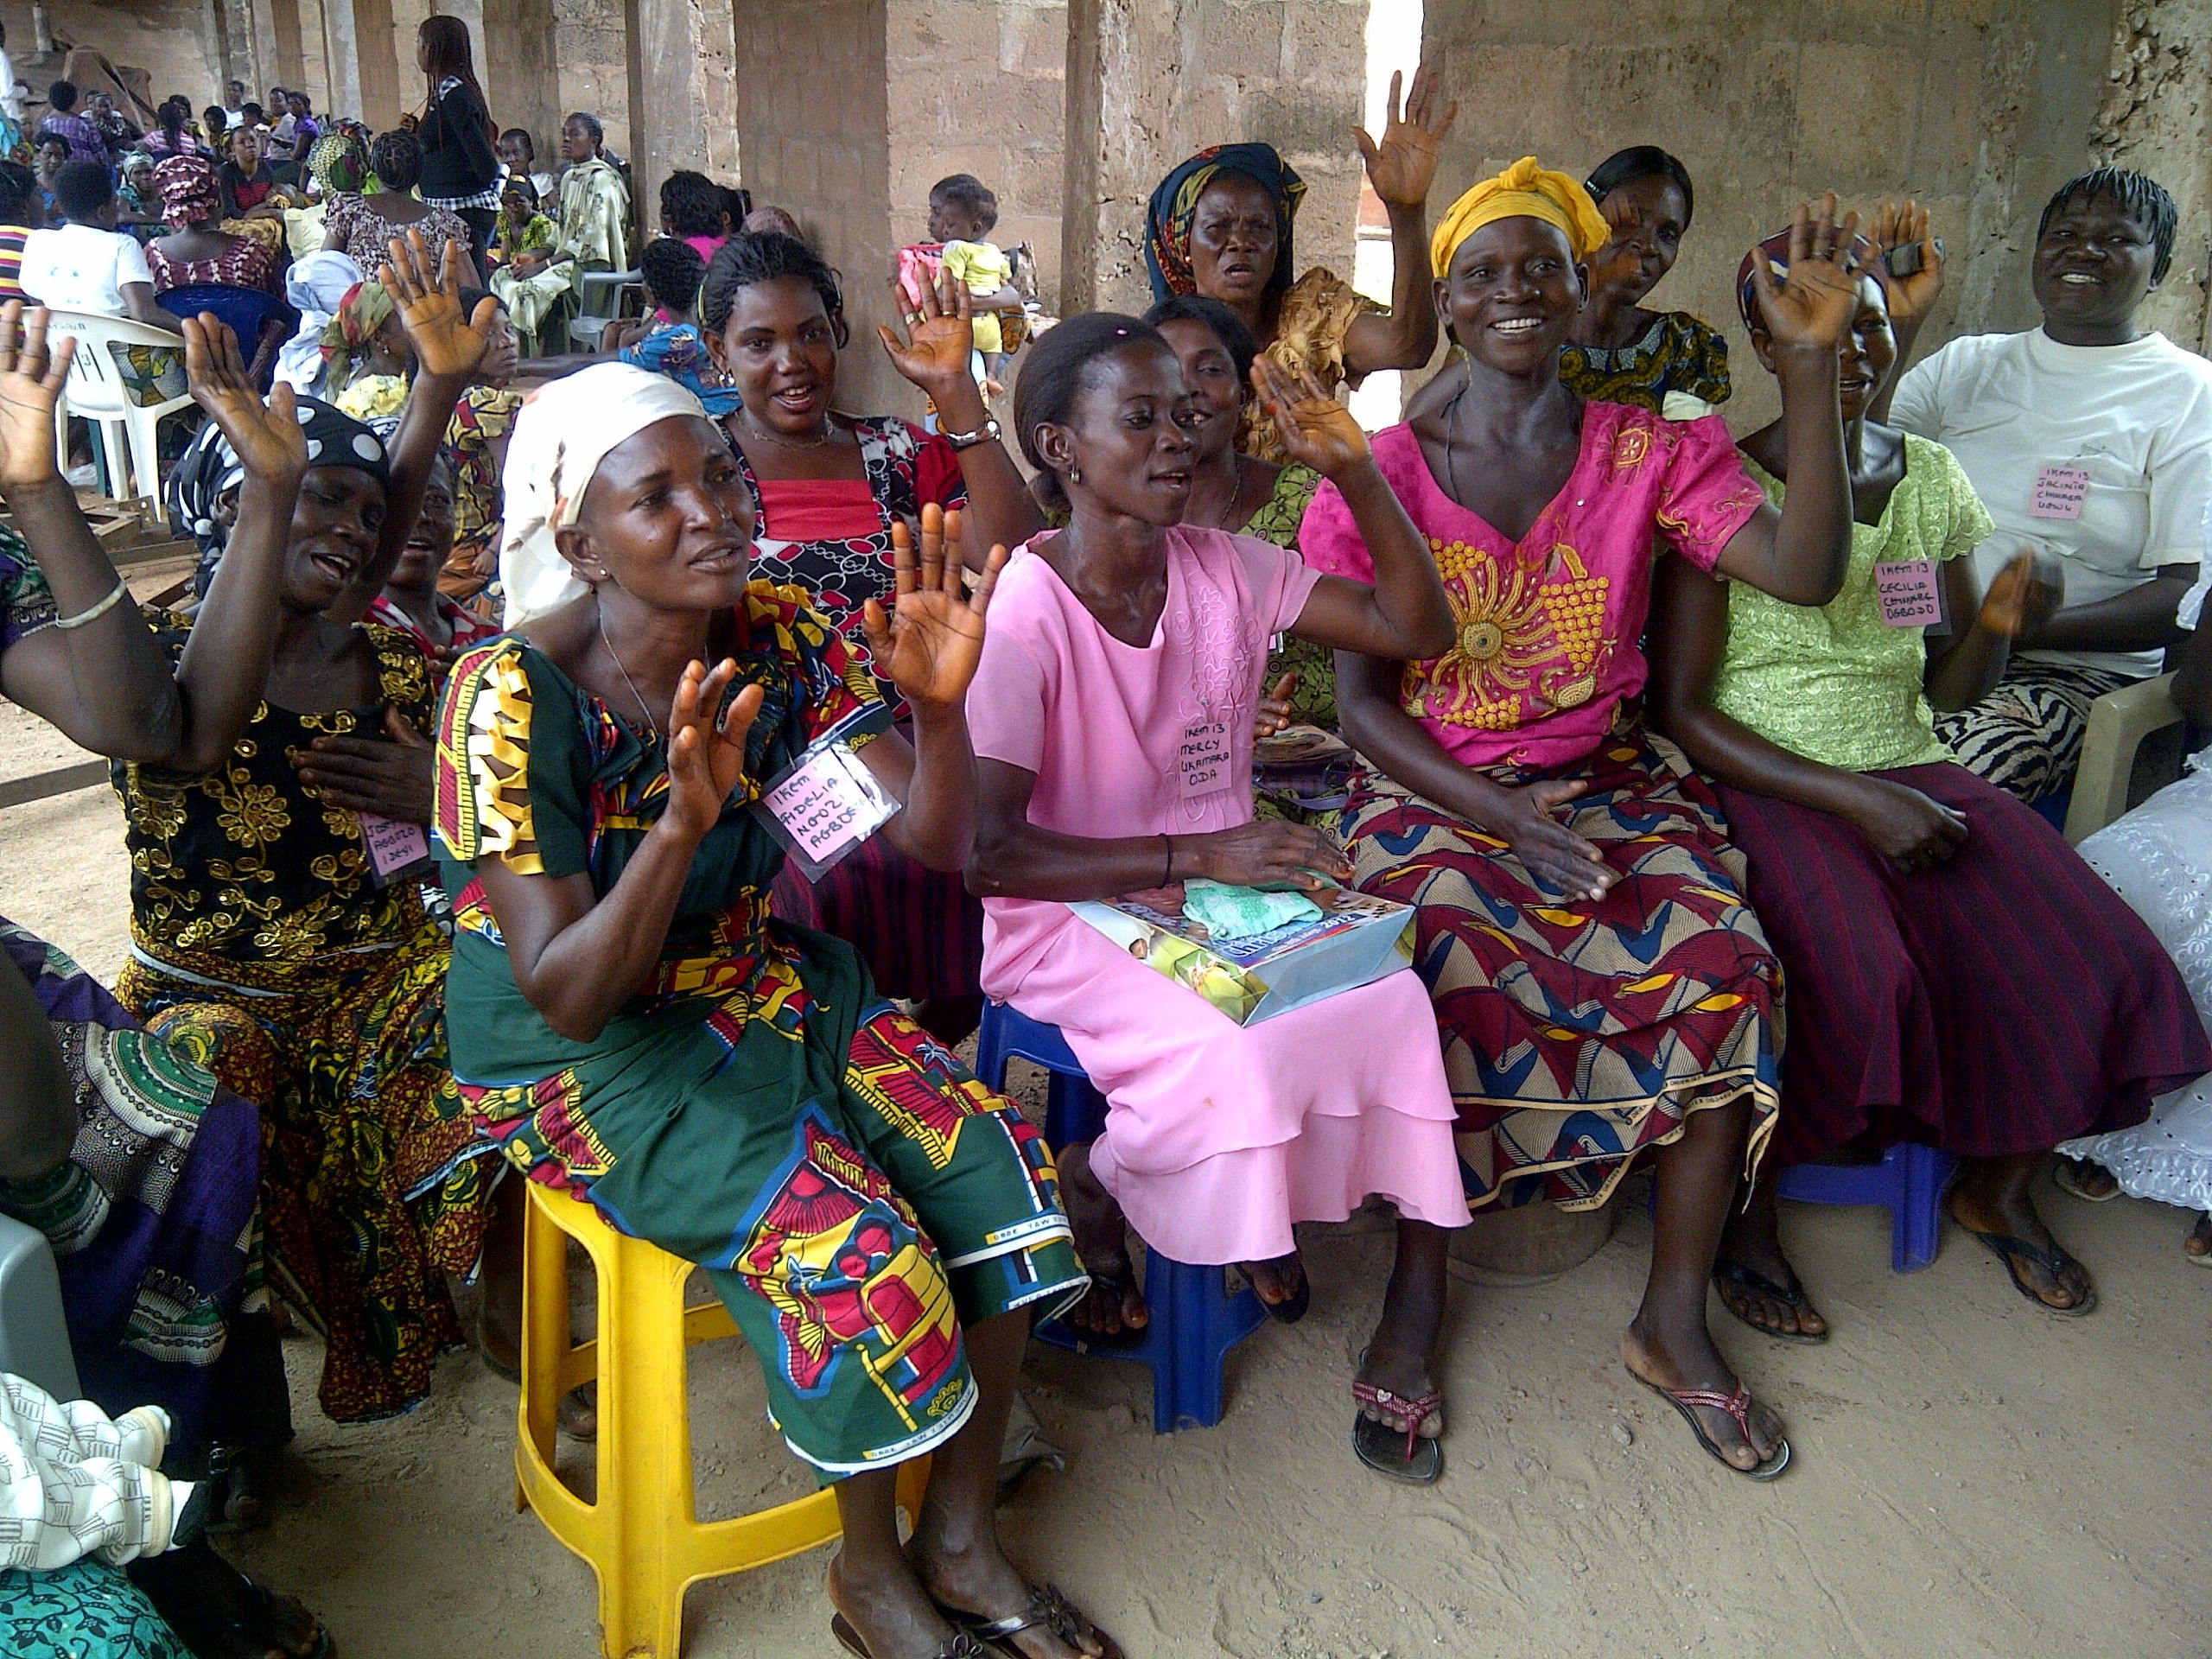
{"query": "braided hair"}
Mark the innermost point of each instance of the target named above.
(2141, 198)
(747, 260)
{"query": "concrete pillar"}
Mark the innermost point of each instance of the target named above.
(364, 70)
(682, 65)
(276, 25)
(314, 61)
(2157, 117)
(1127, 60)
(515, 60)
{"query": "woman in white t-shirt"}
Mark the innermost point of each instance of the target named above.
(2090, 437)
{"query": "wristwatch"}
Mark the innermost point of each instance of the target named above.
(987, 433)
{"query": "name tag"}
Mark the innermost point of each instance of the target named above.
(2058, 492)
(395, 848)
(1201, 760)
(827, 804)
(1909, 593)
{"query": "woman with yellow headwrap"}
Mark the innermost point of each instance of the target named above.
(1219, 226)
(1601, 987)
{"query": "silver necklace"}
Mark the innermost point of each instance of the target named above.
(652, 724)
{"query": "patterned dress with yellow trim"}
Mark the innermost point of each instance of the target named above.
(1575, 1034)
(262, 948)
(855, 1197)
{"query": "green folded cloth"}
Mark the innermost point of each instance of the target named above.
(1230, 912)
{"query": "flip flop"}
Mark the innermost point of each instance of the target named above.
(1047, 1610)
(1417, 1458)
(1791, 1295)
(2012, 1251)
(2066, 1176)
(1738, 1406)
(1292, 1307)
(1119, 1341)
(961, 1645)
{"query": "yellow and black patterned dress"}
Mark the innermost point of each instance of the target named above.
(263, 947)
(1678, 367)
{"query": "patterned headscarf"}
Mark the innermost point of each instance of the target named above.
(339, 163)
(1775, 252)
(1175, 204)
(1528, 189)
(352, 326)
(186, 185)
(208, 470)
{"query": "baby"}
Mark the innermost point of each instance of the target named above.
(963, 213)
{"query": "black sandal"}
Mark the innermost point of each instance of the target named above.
(1791, 1295)
(959, 1645)
(2012, 1251)
(1048, 1609)
(1129, 1335)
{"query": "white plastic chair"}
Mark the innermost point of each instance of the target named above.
(97, 392)
(2119, 722)
(33, 1334)
(601, 296)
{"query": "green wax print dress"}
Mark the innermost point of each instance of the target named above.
(855, 1195)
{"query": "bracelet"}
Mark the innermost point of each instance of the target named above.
(115, 596)
(987, 433)
(1167, 869)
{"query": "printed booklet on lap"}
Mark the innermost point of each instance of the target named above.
(1356, 940)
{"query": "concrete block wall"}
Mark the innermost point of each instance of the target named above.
(2156, 115)
(594, 65)
(1978, 107)
(165, 37)
(978, 86)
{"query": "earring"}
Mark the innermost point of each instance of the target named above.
(1075, 474)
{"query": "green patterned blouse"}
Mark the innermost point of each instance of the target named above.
(1314, 702)
(1835, 683)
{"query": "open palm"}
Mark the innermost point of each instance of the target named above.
(1402, 166)
(1818, 296)
(1900, 226)
(929, 644)
(31, 379)
(1315, 428)
(265, 437)
(706, 744)
(426, 292)
(940, 333)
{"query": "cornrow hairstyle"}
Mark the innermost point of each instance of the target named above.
(745, 261)
(590, 123)
(1228, 327)
(691, 205)
(1640, 162)
(2141, 198)
(966, 190)
(397, 160)
(1060, 367)
(673, 271)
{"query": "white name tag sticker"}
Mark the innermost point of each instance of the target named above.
(394, 847)
(1909, 593)
(825, 806)
(1202, 759)
(2058, 492)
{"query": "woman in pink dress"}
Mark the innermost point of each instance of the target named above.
(1113, 722)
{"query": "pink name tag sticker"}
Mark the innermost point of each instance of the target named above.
(1909, 593)
(825, 806)
(2058, 492)
(395, 848)
(1201, 760)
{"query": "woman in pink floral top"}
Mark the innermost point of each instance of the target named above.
(1600, 983)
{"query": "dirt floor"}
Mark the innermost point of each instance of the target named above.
(1972, 1476)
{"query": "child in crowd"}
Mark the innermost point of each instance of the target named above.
(521, 227)
(963, 213)
(696, 210)
(677, 348)
(519, 154)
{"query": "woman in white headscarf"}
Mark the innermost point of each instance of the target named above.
(627, 1018)
(313, 287)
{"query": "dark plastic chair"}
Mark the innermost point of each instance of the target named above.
(1195, 1321)
(1909, 1183)
(247, 310)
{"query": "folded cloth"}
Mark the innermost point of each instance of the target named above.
(1233, 912)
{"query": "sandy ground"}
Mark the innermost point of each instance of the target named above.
(1972, 1476)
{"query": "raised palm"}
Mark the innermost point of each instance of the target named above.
(1900, 226)
(929, 644)
(706, 744)
(1315, 428)
(1402, 166)
(1814, 303)
(425, 290)
(31, 379)
(940, 333)
(266, 437)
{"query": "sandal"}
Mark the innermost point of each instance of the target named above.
(1419, 1459)
(1129, 1335)
(1791, 1295)
(2012, 1251)
(1292, 1307)
(252, 1627)
(1738, 1408)
(961, 1645)
(2068, 1175)
(1048, 1609)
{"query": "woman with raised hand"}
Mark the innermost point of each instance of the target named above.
(274, 934)
(1134, 634)
(632, 1022)
(1219, 225)
(1928, 923)
(1600, 985)
(138, 1166)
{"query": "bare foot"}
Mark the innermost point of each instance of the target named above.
(1112, 1307)
(1688, 1360)
(1752, 1243)
(2198, 1246)
(2017, 1218)
(980, 1583)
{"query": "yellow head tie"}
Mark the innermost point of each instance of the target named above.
(1525, 190)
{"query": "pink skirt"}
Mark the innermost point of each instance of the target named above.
(1220, 1137)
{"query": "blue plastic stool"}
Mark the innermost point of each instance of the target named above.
(1195, 1321)
(1909, 1183)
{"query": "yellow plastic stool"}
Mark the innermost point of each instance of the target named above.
(643, 1536)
